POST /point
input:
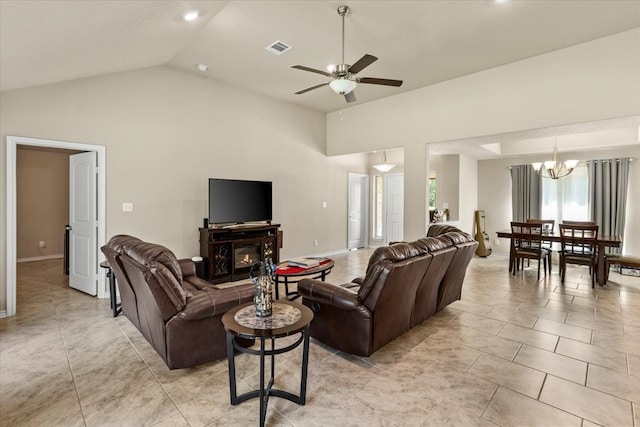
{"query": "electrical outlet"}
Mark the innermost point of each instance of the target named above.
(41, 244)
(127, 207)
(497, 242)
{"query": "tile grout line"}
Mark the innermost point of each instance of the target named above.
(73, 378)
(155, 377)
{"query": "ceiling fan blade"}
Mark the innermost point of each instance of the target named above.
(313, 70)
(350, 97)
(300, 92)
(376, 81)
(362, 63)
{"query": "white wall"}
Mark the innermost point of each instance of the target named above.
(167, 132)
(448, 185)
(468, 193)
(494, 194)
(592, 81)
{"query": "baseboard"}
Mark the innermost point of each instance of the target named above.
(40, 258)
(3, 313)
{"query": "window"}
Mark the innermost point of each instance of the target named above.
(566, 198)
(432, 190)
(378, 196)
(431, 187)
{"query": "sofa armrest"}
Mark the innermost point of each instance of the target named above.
(327, 293)
(187, 266)
(358, 280)
(214, 302)
(196, 282)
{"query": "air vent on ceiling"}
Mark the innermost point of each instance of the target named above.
(278, 47)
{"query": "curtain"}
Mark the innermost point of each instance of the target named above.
(608, 182)
(526, 190)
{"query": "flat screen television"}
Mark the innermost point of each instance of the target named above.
(239, 201)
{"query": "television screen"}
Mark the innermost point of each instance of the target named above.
(237, 201)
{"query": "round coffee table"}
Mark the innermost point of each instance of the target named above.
(287, 274)
(287, 319)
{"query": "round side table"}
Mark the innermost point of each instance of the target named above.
(287, 319)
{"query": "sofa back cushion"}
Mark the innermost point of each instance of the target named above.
(127, 295)
(451, 286)
(153, 306)
(426, 299)
(393, 298)
(120, 241)
(395, 253)
(164, 264)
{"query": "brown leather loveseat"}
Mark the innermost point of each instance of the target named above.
(405, 283)
(176, 311)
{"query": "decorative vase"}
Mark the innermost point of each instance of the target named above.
(263, 298)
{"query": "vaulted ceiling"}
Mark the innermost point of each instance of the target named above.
(419, 42)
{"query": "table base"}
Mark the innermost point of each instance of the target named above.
(263, 393)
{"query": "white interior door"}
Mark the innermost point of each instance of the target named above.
(357, 204)
(394, 187)
(83, 260)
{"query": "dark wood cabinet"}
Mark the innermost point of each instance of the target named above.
(229, 253)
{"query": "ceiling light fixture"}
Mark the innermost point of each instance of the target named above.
(202, 67)
(384, 167)
(191, 15)
(555, 168)
(342, 85)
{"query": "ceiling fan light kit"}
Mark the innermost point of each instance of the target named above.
(342, 86)
(344, 75)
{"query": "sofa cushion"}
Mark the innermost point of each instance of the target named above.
(145, 253)
(152, 255)
(167, 281)
(119, 242)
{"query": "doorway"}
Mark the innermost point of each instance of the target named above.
(394, 230)
(11, 218)
(358, 202)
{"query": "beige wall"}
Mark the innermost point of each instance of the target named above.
(166, 132)
(494, 194)
(42, 201)
(592, 81)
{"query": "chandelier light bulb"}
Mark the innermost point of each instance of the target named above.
(554, 168)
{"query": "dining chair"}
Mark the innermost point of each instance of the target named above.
(526, 238)
(548, 226)
(578, 246)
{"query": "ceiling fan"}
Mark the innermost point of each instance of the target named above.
(344, 75)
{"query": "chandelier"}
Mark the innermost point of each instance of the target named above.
(384, 167)
(555, 168)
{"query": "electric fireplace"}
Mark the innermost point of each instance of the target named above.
(246, 255)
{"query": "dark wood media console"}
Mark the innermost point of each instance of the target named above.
(229, 253)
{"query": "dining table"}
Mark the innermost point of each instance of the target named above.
(603, 242)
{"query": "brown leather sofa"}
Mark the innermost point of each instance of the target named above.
(404, 284)
(176, 311)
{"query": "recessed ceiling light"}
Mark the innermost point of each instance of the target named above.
(202, 67)
(191, 15)
(501, 1)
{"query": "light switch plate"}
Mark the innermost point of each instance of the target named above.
(127, 207)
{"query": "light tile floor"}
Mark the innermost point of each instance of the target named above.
(513, 351)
